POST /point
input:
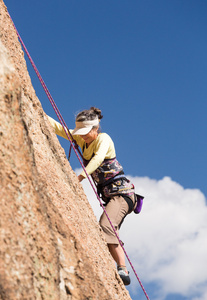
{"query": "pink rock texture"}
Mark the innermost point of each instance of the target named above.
(51, 245)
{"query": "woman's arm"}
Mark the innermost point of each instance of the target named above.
(104, 148)
(80, 177)
(59, 130)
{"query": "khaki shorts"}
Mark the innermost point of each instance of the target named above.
(116, 209)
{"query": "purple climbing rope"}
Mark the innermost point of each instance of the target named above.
(76, 150)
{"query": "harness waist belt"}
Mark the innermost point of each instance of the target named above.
(112, 180)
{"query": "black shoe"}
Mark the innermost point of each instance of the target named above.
(124, 275)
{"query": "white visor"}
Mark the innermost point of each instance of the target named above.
(84, 127)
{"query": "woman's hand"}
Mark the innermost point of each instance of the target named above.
(80, 178)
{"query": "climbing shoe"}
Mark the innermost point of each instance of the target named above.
(124, 275)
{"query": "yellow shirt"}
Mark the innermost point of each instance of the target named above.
(102, 147)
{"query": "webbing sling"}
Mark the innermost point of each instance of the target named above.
(70, 138)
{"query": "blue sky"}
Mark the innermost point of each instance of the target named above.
(144, 63)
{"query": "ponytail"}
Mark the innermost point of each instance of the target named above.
(89, 114)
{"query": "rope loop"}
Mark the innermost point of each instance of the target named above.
(76, 147)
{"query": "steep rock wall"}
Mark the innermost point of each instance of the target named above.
(51, 246)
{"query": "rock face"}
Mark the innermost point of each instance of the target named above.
(51, 246)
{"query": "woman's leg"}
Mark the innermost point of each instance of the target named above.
(116, 209)
(117, 253)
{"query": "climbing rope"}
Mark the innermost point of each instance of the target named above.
(74, 146)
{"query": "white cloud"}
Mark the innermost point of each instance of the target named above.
(167, 241)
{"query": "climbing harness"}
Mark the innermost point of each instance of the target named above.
(76, 150)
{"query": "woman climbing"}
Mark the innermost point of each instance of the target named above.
(100, 162)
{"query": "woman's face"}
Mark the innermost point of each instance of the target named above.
(91, 136)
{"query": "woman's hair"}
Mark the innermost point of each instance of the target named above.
(89, 114)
